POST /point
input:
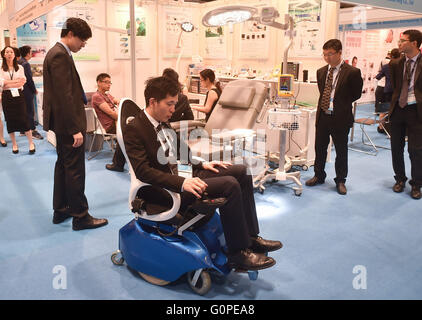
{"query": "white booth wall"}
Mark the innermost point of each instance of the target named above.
(155, 47)
(155, 51)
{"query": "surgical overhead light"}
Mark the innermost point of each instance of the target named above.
(184, 27)
(237, 14)
(228, 15)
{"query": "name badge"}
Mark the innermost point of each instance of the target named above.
(15, 92)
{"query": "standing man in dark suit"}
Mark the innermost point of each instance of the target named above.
(144, 147)
(64, 113)
(339, 85)
(406, 112)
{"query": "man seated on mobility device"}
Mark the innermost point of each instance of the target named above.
(146, 145)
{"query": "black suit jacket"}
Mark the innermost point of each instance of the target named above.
(63, 106)
(182, 110)
(348, 89)
(142, 147)
(397, 70)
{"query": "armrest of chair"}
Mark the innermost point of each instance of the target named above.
(162, 216)
(232, 135)
(189, 124)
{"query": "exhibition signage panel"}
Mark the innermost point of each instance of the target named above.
(31, 12)
(307, 18)
(34, 10)
(413, 6)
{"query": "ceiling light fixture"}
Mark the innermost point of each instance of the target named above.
(230, 15)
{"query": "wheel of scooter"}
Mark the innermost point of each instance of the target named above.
(153, 280)
(203, 284)
(117, 258)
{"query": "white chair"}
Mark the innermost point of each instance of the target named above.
(95, 128)
(234, 116)
(128, 110)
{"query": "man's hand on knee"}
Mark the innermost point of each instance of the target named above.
(195, 186)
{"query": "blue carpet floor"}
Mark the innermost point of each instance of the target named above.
(326, 236)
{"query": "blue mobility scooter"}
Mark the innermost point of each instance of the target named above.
(163, 244)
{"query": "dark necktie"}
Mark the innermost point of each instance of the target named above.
(405, 86)
(326, 95)
(171, 156)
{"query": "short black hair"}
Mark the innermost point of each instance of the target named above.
(102, 76)
(159, 87)
(334, 44)
(171, 74)
(79, 28)
(24, 50)
(414, 35)
(395, 53)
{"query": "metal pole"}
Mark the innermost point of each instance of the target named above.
(106, 39)
(133, 49)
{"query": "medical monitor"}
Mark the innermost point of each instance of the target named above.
(285, 85)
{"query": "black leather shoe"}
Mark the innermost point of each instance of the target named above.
(416, 192)
(59, 217)
(248, 260)
(341, 188)
(87, 222)
(381, 130)
(15, 151)
(113, 167)
(260, 245)
(3, 144)
(314, 181)
(399, 186)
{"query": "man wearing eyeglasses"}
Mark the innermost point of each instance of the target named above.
(339, 85)
(105, 106)
(406, 112)
(64, 113)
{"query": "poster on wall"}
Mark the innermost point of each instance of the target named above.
(87, 10)
(365, 49)
(173, 40)
(254, 41)
(121, 14)
(34, 34)
(307, 19)
(215, 43)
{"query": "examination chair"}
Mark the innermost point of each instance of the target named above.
(231, 121)
(162, 243)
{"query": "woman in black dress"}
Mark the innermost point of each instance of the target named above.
(207, 79)
(13, 101)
